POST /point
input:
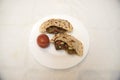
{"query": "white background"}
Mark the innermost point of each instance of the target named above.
(100, 17)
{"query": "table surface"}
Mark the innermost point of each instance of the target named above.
(100, 17)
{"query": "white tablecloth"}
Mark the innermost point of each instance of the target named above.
(100, 17)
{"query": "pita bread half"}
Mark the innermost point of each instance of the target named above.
(71, 41)
(61, 23)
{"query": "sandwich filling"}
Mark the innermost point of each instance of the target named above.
(55, 30)
(60, 45)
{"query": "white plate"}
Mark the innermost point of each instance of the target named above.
(52, 58)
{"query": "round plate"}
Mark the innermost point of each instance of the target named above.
(52, 58)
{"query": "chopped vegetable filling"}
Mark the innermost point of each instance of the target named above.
(55, 30)
(60, 45)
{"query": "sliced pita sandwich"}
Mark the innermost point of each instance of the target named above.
(70, 44)
(54, 26)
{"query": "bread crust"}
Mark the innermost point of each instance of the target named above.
(64, 24)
